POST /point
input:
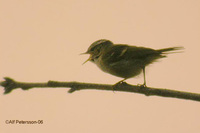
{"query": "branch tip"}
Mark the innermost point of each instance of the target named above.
(9, 84)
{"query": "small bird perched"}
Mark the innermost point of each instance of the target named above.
(123, 60)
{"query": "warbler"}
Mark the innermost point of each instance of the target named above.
(123, 60)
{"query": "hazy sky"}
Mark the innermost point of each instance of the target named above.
(41, 40)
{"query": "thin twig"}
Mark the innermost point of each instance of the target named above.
(10, 84)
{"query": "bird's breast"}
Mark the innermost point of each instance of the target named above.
(124, 69)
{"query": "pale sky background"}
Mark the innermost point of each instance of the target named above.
(41, 40)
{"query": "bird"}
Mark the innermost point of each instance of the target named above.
(122, 60)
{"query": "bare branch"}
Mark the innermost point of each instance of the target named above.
(10, 84)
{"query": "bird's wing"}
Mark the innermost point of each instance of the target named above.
(125, 52)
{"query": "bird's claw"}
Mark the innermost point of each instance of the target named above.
(117, 84)
(142, 85)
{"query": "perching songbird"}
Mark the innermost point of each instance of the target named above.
(123, 60)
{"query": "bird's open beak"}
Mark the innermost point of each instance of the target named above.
(90, 58)
(84, 53)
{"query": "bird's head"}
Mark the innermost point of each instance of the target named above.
(96, 49)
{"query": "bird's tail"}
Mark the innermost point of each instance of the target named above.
(169, 50)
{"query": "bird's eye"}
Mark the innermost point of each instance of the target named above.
(98, 50)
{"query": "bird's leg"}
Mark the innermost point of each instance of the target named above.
(121, 81)
(144, 84)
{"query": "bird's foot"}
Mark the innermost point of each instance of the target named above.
(142, 86)
(122, 82)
